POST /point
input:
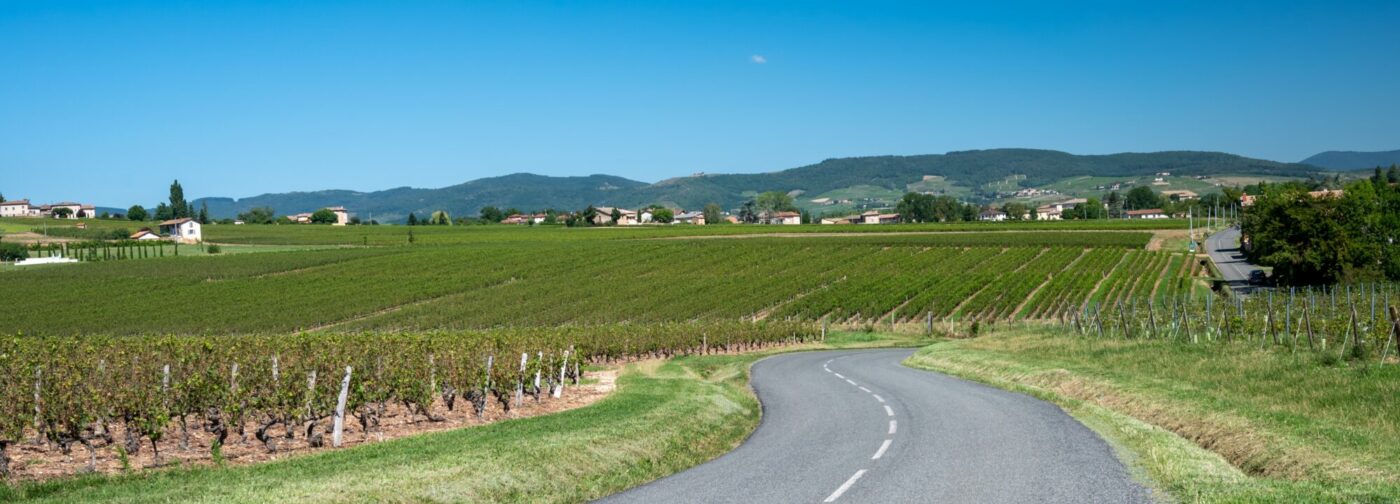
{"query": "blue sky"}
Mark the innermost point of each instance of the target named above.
(108, 101)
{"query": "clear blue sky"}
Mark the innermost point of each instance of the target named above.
(106, 102)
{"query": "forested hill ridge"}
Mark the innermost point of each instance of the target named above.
(1352, 160)
(969, 169)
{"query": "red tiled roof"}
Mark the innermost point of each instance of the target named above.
(176, 222)
(1148, 211)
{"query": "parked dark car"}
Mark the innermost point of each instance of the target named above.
(1257, 277)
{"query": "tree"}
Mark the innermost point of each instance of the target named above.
(203, 213)
(2, 196)
(412, 221)
(258, 215)
(1115, 204)
(62, 213)
(1393, 175)
(772, 202)
(713, 213)
(491, 214)
(1321, 240)
(13, 252)
(748, 213)
(915, 207)
(440, 218)
(1015, 210)
(104, 215)
(163, 212)
(663, 215)
(1092, 208)
(323, 216)
(616, 215)
(1142, 198)
(82, 214)
(179, 208)
(589, 215)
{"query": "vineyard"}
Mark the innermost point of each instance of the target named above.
(128, 394)
(1352, 322)
(855, 280)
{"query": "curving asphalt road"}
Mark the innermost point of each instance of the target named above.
(1224, 250)
(857, 426)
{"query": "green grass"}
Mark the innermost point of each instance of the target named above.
(664, 417)
(1280, 427)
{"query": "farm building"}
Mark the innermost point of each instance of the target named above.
(1151, 213)
(18, 208)
(1049, 212)
(879, 218)
(515, 219)
(992, 215)
(1180, 195)
(849, 219)
(144, 235)
(697, 218)
(342, 216)
(184, 230)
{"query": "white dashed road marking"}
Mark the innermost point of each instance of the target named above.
(878, 398)
(892, 426)
(881, 452)
(889, 411)
(845, 486)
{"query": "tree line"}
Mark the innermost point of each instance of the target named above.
(1310, 237)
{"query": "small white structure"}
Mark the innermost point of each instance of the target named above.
(1151, 213)
(342, 216)
(992, 215)
(35, 261)
(184, 230)
(144, 235)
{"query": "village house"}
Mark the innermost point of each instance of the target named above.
(627, 217)
(342, 216)
(696, 218)
(1246, 200)
(1151, 213)
(184, 230)
(515, 219)
(1049, 213)
(23, 208)
(992, 215)
(1180, 195)
(786, 218)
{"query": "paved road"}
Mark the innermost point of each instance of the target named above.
(1224, 250)
(856, 426)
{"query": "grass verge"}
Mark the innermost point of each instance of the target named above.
(1207, 423)
(666, 416)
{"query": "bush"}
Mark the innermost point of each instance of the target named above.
(13, 252)
(213, 249)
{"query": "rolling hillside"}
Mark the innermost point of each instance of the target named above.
(969, 169)
(1351, 160)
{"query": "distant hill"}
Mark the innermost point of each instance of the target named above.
(1352, 160)
(969, 169)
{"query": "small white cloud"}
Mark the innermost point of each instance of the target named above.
(758, 58)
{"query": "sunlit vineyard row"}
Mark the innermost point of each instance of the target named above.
(77, 392)
(1347, 322)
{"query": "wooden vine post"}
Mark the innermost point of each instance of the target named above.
(338, 427)
(1394, 333)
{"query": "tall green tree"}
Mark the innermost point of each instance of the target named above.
(773, 202)
(163, 212)
(258, 215)
(713, 213)
(179, 208)
(412, 221)
(491, 214)
(1142, 198)
(323, 216)
(203, 213)
(440, 218)
(137, 213)
(1115, 204)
